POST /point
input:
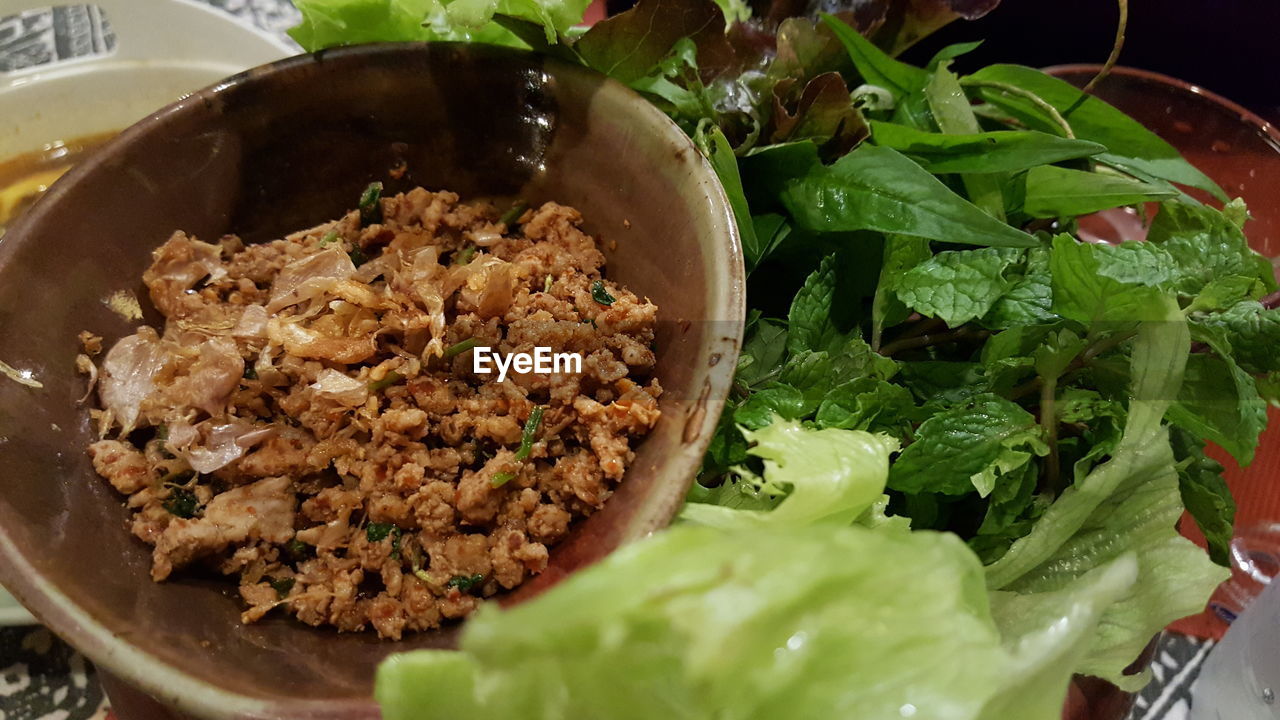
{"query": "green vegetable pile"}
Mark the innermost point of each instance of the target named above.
(959, 437)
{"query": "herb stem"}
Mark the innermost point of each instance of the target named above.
(1082, 360)
(1033, 98)
(1113, 58)
(458, 348)
(930, 339)
(1049, 422)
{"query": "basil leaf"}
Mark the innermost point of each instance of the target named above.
(987, 152)
(1054, 192)
(874, 65)
(876, 188)
(720, 154)
(1129, 144)
(953, 113)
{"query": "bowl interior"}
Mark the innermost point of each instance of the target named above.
(281, 148)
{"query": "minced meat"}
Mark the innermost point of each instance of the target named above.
(308, 419)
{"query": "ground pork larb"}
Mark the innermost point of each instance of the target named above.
(308, 418)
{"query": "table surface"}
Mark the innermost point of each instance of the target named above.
(41, 678)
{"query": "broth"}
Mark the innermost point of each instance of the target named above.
(23, 179)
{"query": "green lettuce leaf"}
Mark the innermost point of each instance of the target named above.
(757, 625)
(824, 476)
(1129, 504)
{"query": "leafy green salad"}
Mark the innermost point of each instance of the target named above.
(959, 437)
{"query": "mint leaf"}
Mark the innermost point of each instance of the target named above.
(1054, 192)
(811, 320)
(941, 383)
(763, 353)
(1226, 292)
(1029, 300)
(958, 285)
(1252, 331)
(866, 404)
(875, 188)
(1206, 245)
(1118, 283)
(1219, 401)
(1205, 494)
(775, 400)
(986, 438)
(901, 253)
(1012, 509)
(1130, 146)
(986, 152)
(816, 373)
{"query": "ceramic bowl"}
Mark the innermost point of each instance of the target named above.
(283, 147)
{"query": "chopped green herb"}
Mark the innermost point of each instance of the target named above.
(458, 348)
(358, 257)
(377, 532)
(387, 381)
(530, 433)
(502, 478)
(600, 295)
(329, 237)
(282, 586)
(370, 209)
(297, 550)
(162, 432)
(464, 255)
(546, 284)
(250, 372)
(511, 216)
(465, 583)
(182, 503)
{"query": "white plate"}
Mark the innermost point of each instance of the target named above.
(11, 613)
(164, 50)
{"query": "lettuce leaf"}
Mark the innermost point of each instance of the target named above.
(786, 622)
(329, 23)
(1129, 504)
(823, 476)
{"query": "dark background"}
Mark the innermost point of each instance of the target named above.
(1231, 47)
